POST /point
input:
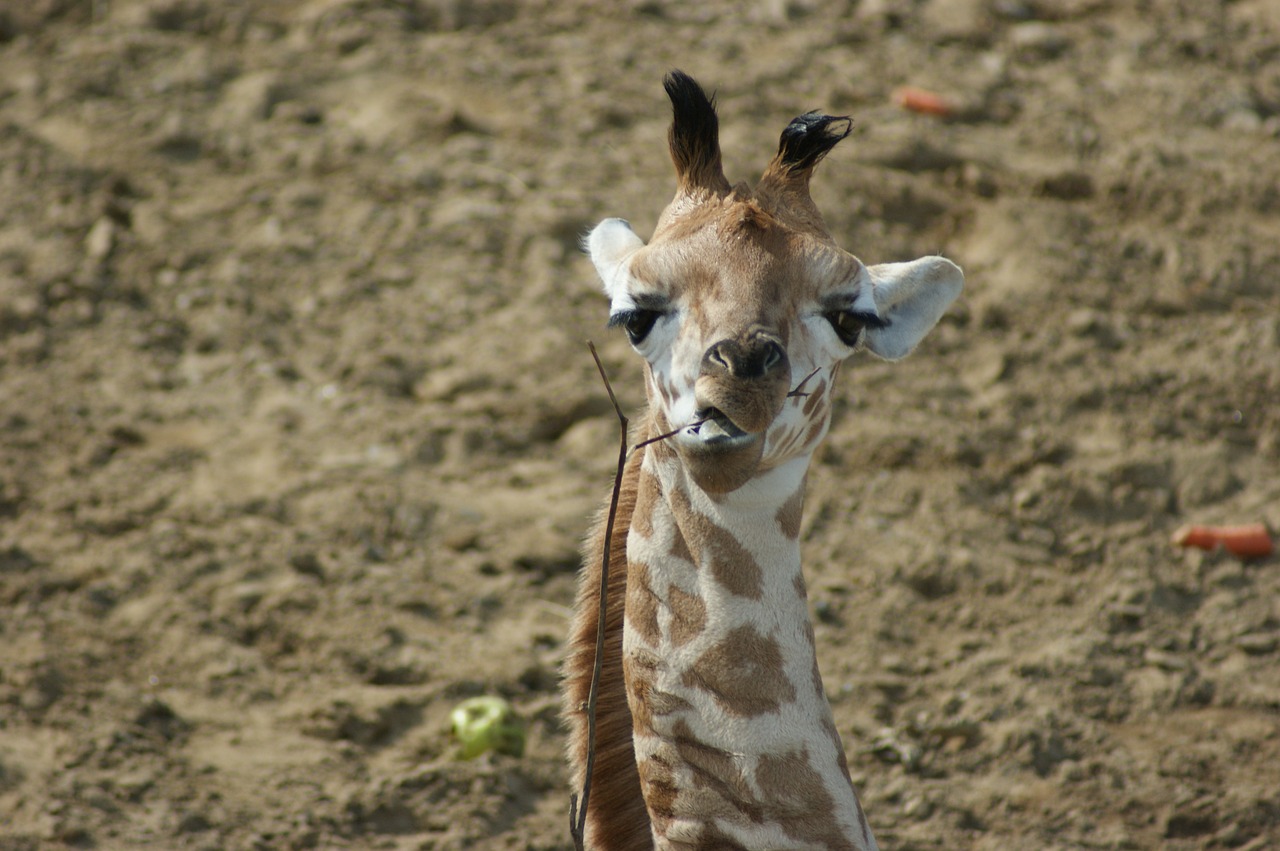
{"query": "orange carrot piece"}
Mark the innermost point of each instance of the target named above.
(1251, 540)
(922, 101)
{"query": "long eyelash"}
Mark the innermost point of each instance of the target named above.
(869, 319)
(622, 317)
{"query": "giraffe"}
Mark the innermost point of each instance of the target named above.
(714, 730)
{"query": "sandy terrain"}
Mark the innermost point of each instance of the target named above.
(298, 432)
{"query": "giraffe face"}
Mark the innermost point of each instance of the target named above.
(742, 305)
(743, 322)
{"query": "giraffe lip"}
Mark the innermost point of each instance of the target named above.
(714, 426)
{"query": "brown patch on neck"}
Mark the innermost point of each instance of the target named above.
(680, 549)
(731, 564)
(743, 673)
(791, 513)
(642, 604)
(688, 616)
(815, 432)
(816, 397)
(800, 802)
(719, 784)
(648, 491)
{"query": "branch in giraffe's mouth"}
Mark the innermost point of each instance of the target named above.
(722, 429)
(799, 392)
(692, 428)
(712, 425)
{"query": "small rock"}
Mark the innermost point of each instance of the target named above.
(158, 716)
(101, 240)
(965, 21)
(979, 179)
(1038, 40)
(932, 580)
(1124, 617)
(243, 597)
(1166, 661)
(250, 98)
(1067, 186)
(460, 537)
(308, 564)
(1013, 10)
(1091, 324)
(193, 823)
(177, 15)
(889, 746)
(1258, 643)
(1242, 120)
(917, 807)
(1186, 823)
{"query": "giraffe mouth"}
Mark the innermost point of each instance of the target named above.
(713, 427)
(720, 455)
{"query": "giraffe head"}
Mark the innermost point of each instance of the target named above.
(742, 297)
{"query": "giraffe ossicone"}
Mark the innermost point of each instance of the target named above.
(714, 730)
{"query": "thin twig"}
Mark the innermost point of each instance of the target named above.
(803, 382)
(578, 816)
(693, 425)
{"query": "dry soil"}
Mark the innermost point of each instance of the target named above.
(298, 433)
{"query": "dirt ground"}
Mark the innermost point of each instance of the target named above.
(299, 435)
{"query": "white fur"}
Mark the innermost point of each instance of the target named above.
(609, 244)
(912, 297)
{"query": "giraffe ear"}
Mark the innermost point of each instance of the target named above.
(910, 299)
(609, 244)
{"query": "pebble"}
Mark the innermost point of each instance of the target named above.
(890, 747)
(959, 20)
(1070, 185)
(250, 98)
(1165, 661)
(1014, 10)
(1258, 643)
(101, 240)
(1124, 617)
(1038, 40)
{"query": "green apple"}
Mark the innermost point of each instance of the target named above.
(483, 724)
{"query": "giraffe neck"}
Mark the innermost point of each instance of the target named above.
(734, 739)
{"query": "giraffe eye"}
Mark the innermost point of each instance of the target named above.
(848, 325)
(638, 323)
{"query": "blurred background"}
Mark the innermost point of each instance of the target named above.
(299, 434)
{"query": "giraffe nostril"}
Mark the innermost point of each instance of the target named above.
(758, 358)
(717, 357)
(773, 355)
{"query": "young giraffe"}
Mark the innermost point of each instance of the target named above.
(714, 731)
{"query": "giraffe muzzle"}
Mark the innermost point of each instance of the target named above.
(742, 385)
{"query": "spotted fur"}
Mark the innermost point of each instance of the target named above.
(714, 728)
